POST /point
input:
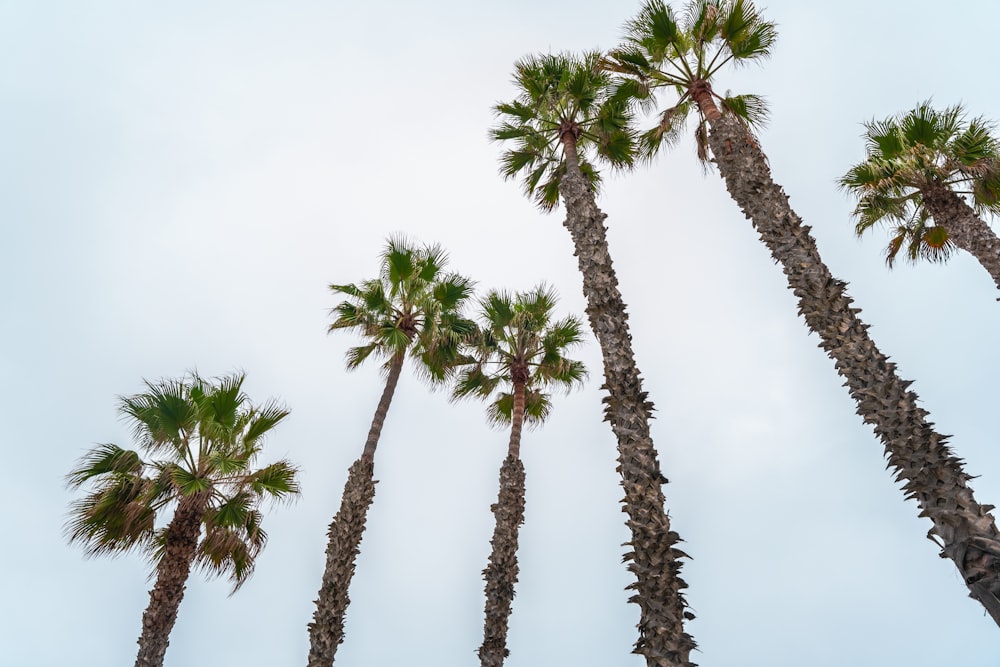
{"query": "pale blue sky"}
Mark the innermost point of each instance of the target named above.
(180, 182)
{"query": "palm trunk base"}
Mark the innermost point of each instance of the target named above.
(501, 572)
(326, 632)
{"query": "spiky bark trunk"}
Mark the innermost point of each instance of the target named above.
(933, 475)
(326, 632)
(501, 572)
(655, 560)
(171, 578)
(965, 229)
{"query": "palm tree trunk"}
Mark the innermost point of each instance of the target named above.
(965, 229)
(501, 570)
(933, 475)
(655, 560)
(171, 578)
(326, 632)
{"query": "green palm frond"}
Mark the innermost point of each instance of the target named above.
(278, 481)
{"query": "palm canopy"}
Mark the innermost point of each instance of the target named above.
(661, 50)
(518, 342)
(201, 438)
(413, 306)
(907, 154)
(561, 97)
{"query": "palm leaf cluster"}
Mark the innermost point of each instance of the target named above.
(517, 342)
(560, 97)
(412, 307)
(910, 156)
(662, 50)
(200, 439)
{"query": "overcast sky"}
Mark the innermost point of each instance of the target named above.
(179, 183)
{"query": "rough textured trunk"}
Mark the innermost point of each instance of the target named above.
(171, 578)
(918, 455)
(965, 229)
(501, 572)
(326, 632)
(655, 560)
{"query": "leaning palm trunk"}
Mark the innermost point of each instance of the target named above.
(326, 632)
(171, 578)
(965, 229)
(933, 475)
(655, 560)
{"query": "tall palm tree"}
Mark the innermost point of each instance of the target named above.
(516, 353)
(412, 309)
(203, 439)
(662, 51)
(563, 117)
(931, 174)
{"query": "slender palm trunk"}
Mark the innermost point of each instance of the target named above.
(965, 229)
(655, 560)
(326, 632)
(171, 578)
(501, 571)
(933, 475)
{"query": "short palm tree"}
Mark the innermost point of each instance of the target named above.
(930, 175)
(565, 116)
(515, 354)
(661, 51)
(202, 440)
(412, 309)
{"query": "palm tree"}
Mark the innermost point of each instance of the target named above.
(661, 51)
(413, 308)
(202, 439)
(931, 174)
(563, 116)
(517, 352)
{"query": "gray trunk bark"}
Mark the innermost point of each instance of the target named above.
(965, 229)
(501, 571)
(918, 455)
(654, 558)
(171, 578)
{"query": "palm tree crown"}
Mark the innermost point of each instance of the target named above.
(413, 306)
(663, 51)
(909, 156)
(519, 344)
(560, 98)
(203, 439)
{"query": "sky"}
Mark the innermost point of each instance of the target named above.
(179, 184)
